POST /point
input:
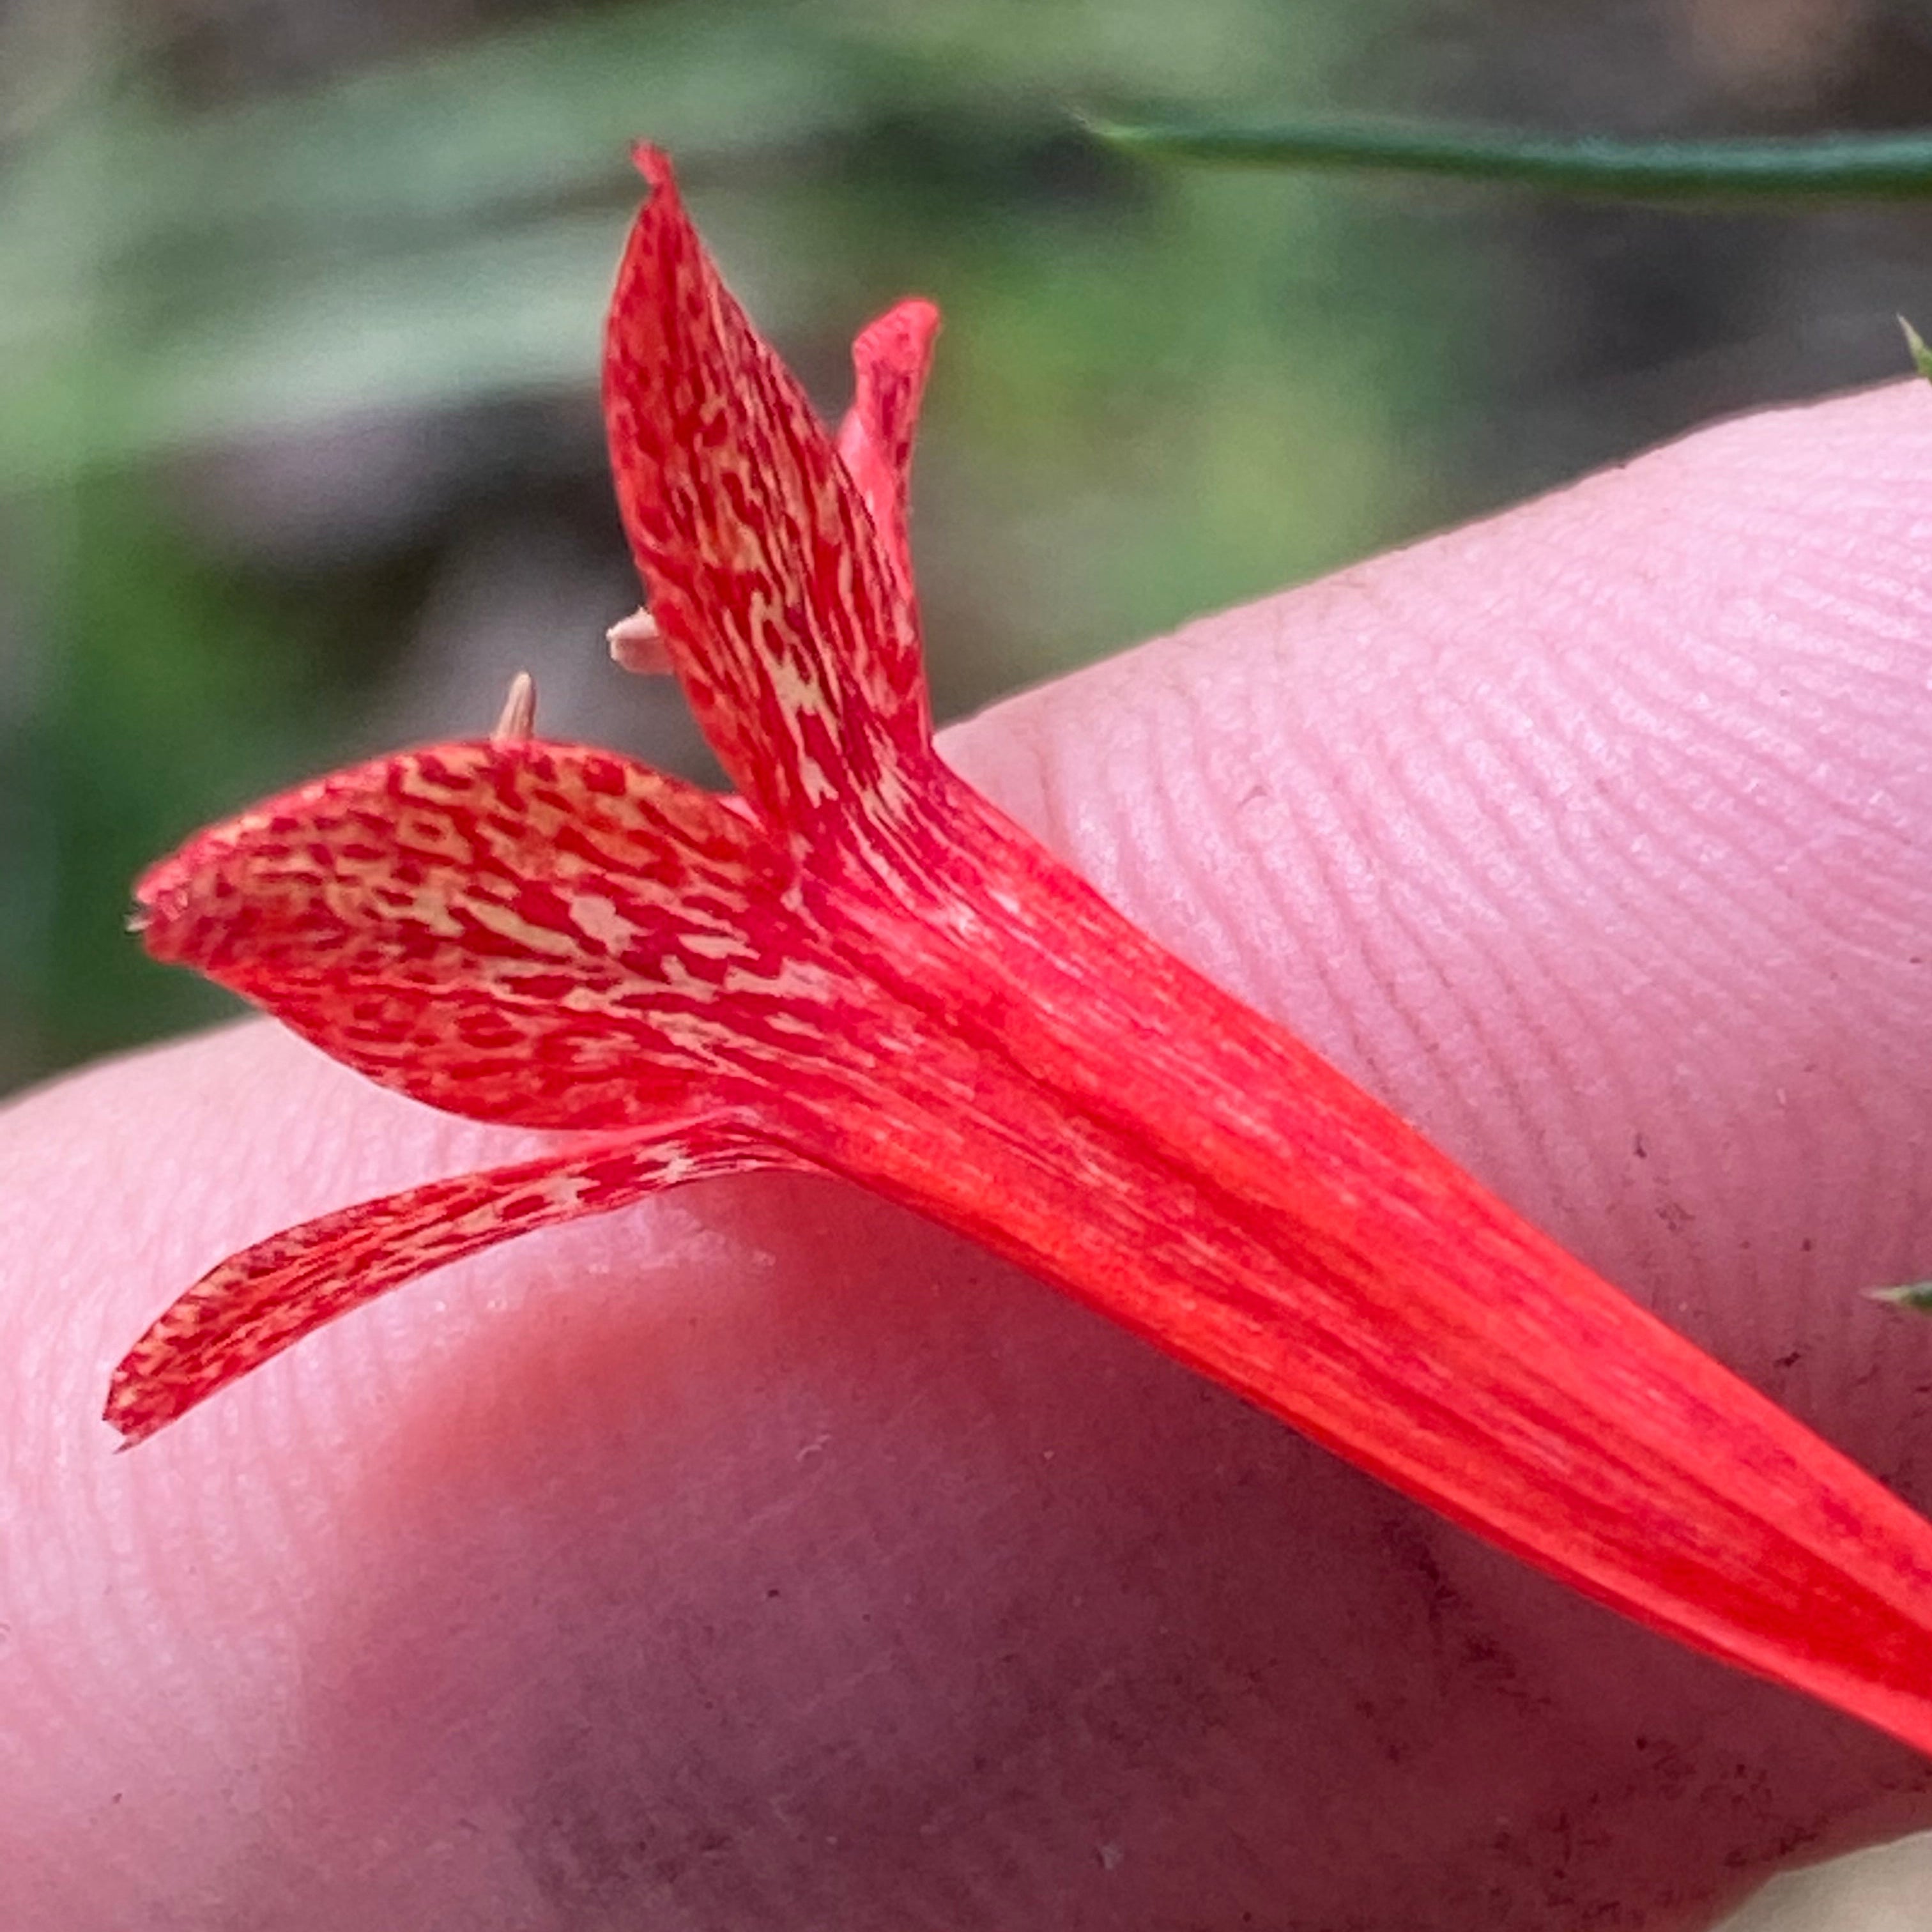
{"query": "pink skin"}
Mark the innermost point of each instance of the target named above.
(763, 1558)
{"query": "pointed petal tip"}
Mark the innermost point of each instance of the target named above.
(136, 1407)
(157, 894)
(912, 321)
(168, 916)
(654, 164)
(133, 1427)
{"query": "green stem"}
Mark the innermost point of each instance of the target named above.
(1842, 167)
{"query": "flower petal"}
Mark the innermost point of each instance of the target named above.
(259, 1301)
(1178, 1162)
(904, 989)
(889, 361)
(531, 933)
(784, 611)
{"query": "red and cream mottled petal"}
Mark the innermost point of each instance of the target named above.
(889, 361)
(783, 612)
(908, 991)
(260, 1301)
(532, 933)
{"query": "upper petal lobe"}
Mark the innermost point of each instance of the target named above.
(535, 934)
(785, 613)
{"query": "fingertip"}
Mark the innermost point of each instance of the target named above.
(1597, 837)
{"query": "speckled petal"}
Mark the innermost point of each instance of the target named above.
(889, 361)
(259, 1302)
(532, 933)
(786, 616)
(876, 968)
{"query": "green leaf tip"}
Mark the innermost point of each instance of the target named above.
(1115, 134)
(1915, 1295)
(1921, 356)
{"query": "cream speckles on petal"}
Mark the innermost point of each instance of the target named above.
(259, 1302)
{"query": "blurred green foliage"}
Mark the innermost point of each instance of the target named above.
(229, 264)
(1153, 396)
(1832, 167)
(438, 229)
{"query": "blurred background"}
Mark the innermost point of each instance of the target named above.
(299, 308)
(300, 300)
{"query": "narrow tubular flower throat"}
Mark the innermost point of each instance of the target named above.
(859, 966)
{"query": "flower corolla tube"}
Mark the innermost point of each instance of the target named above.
(859, 966)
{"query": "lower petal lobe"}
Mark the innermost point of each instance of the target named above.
(258, 1303)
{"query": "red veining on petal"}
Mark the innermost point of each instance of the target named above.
(786, 618)
(532, 933)
(260, 1301)
(1184, 1166)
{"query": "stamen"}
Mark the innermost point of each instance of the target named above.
(636, 645)
(518, 718)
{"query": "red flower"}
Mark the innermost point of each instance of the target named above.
(860, 967)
